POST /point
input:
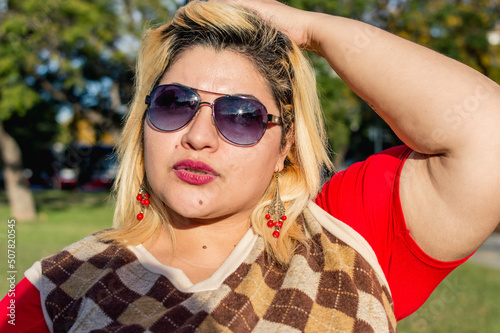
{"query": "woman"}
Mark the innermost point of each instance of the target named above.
(214, 225)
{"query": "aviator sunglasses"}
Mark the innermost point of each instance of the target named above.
(241, 120)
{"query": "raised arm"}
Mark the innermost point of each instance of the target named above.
(448, 113)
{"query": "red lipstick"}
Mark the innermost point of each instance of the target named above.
(194, 172)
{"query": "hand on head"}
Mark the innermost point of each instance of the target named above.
(292, 21)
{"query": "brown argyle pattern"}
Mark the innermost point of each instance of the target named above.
(93, 286)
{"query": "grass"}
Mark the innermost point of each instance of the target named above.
(467, 301)
(63, 218)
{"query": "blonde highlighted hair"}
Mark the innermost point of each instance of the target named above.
(293, 86)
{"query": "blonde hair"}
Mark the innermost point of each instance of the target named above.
(292, 84)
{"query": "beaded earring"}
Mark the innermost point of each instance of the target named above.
(143, 198)
(276, 212)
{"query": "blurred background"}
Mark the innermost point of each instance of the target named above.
(66, 79)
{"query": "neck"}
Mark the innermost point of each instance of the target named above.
(201, 245)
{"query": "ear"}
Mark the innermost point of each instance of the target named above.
(285, 149)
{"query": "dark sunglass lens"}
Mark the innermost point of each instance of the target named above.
(240, 120)
(172, 107)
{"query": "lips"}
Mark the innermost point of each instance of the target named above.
(195, 172)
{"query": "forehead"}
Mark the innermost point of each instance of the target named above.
(224, 72)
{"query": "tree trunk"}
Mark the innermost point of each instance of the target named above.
(21, 200)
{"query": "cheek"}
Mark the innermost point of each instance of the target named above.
(253, 164)
(157, 147)
(150, 145)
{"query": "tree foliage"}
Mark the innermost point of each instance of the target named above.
(75, 54)
(64, 59)
(457, 28)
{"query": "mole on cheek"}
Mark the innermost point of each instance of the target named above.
(200, 202)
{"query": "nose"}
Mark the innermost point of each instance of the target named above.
(202, 133)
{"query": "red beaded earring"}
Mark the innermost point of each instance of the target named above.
(276, 212)
(143, 198)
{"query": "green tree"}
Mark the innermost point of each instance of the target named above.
(72, 54)
(460, 29)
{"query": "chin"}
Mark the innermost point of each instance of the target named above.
(190, 210)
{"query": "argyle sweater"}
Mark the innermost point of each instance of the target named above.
(333, 285)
